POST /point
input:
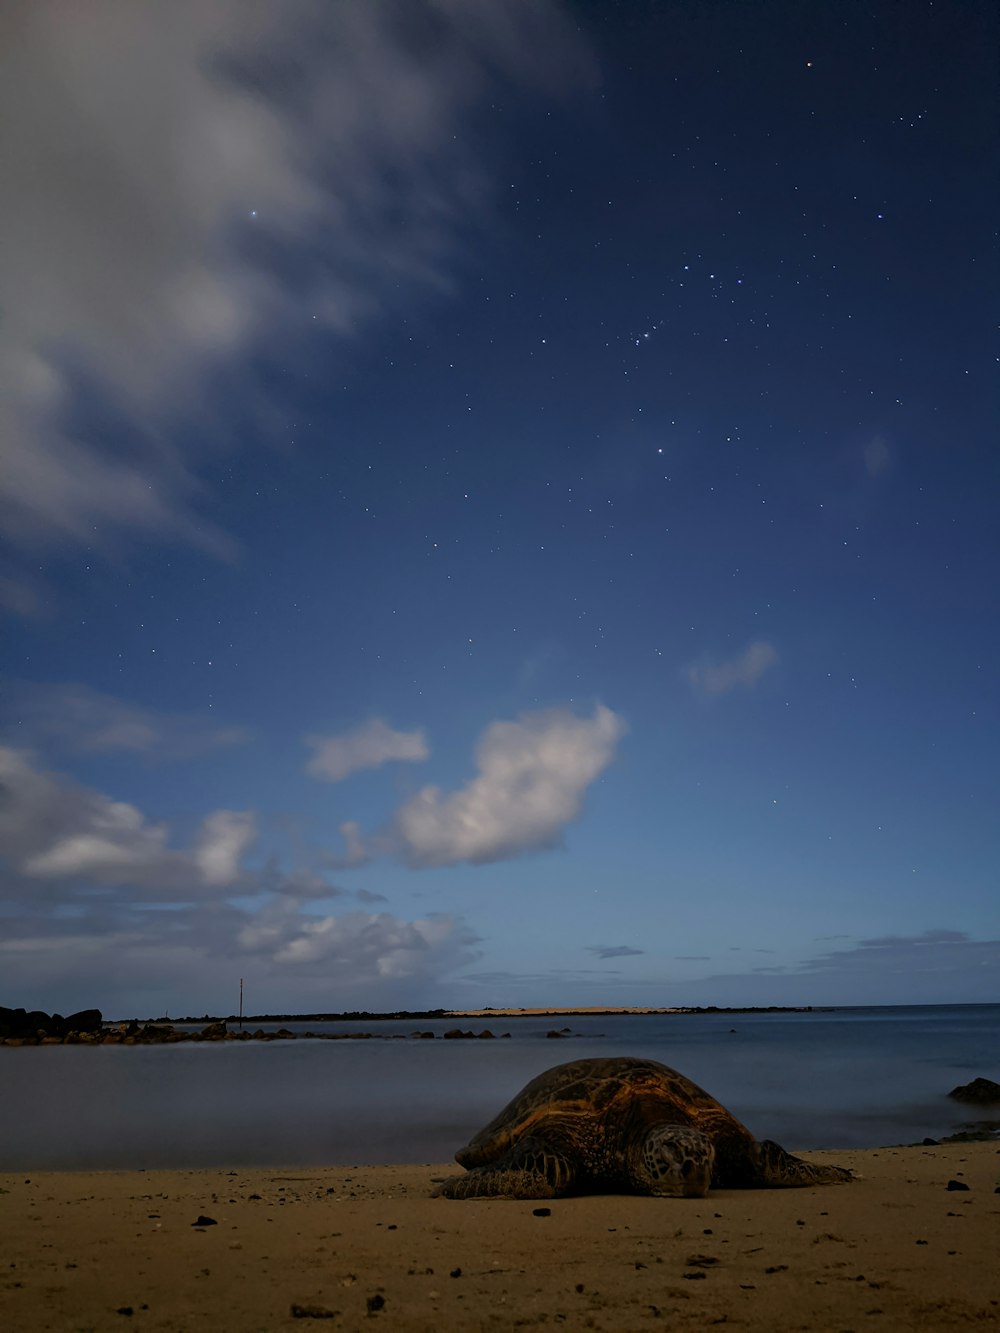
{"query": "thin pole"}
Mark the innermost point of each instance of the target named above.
(241, 1004)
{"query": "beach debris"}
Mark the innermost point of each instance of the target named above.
(701, 1260)
(956, 1185)
(455, 1272)
(541, 1212)
(204, 1221)
(299, 1311)
(980, 1092)
(125, 1310)
(375, 1303)
(623, 1124)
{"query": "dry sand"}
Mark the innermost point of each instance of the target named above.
(896, 1250)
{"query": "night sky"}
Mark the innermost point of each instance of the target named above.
(498, 504)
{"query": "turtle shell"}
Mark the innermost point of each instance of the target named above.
(615, 1098)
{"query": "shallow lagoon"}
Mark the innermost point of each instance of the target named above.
(825, 1079)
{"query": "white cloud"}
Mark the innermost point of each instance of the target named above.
(533, 774)
(162, 162)
(53, 829)
(95, 902)
(77, 719)
(189, 959)
(369, 746)
(226, 836)
(375, 945)
(744, 670)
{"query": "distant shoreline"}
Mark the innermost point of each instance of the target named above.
(585, 1011)
(89, 1027)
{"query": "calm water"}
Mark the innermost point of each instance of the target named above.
(844, 1078)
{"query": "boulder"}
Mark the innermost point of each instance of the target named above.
(40, 1026)
(980, 1092)
(87, 1020)
(214, 1032)
(156, 1032)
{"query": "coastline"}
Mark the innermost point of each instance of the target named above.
(897, 1248)
(89, 1027)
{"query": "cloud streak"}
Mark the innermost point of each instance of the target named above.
(164, 164)
(742, 672)
(78, 720)
(368, 746)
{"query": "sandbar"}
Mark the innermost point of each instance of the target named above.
(362, 1247)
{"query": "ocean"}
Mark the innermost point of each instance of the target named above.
(841, 1078)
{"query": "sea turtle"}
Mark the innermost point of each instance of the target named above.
(621, 1125)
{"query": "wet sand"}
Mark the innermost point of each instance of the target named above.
(368, 1246)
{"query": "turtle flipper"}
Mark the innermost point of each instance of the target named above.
(781, 1170)
(531, 1170)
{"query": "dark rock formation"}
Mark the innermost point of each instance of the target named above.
(87, 1020)
(980, 1092)
(29, 1026)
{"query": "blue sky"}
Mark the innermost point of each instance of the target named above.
(498, 505)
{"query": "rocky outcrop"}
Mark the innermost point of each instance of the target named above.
(30, 1026)
(980, 1092)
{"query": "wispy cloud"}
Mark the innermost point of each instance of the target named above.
(613, 950)
(368, 746)
(533, 775)
(371, 945)
(144, 254)
(76, 719)
(935, 967)
(743, 671)
(932, 951)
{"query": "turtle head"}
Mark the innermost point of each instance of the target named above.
(674, 1161)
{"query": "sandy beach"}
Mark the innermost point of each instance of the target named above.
(898, 1249)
